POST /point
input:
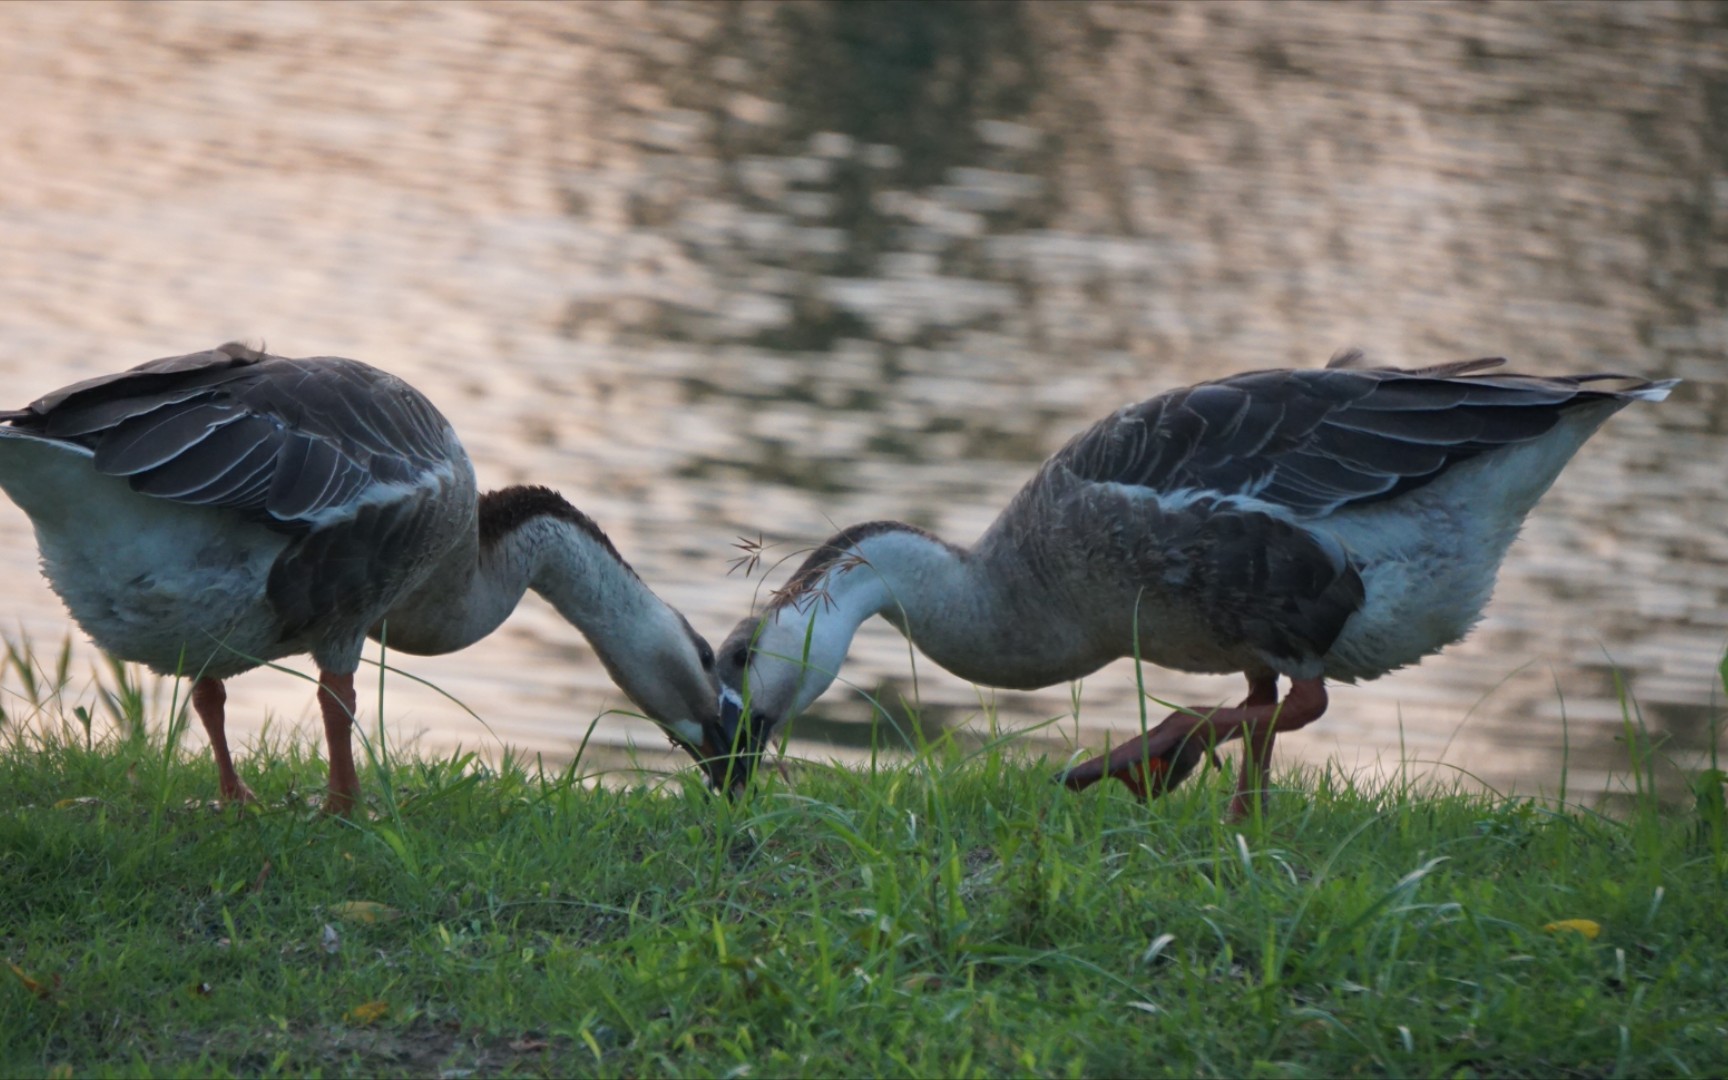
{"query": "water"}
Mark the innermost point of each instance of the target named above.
(720, 271)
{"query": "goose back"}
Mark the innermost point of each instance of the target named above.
(360, 477)
(1307, 443)
(288, 443)
(1243, 524)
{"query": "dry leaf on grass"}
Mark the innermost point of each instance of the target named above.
(364, 911)
(368, 1012)
(40, 989)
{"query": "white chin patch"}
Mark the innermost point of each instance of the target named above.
(688, 730)
(729, 696)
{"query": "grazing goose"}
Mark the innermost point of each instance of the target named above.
(204, 514)
(1317, 524)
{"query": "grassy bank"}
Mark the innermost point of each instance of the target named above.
(957, 915)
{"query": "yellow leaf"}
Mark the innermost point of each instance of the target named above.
(364, 911)
(29, 984)
(39, 989)
(1588, 927)
(367, 1013)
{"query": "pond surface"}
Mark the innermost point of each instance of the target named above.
(727, 271)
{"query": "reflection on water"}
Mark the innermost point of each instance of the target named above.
(717, 270)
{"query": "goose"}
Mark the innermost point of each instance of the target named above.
(207, 513)
(1317, 524)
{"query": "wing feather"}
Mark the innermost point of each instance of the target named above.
(1447, 427)
(233, 456)
(289, 442)
(84, 419)
(315, 480)
(169, 373)
(142, 443)
(1314, 441)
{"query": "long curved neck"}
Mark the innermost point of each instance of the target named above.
(976, 614)
(527, 538)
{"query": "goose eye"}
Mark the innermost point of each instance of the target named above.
(705, 654)
(741, 656)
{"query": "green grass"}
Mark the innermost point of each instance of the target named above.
(956, 915)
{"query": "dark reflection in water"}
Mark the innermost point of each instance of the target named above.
(771, 268)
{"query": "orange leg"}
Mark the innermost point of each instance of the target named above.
(208, 699)
(1257, 745)
(1155, 762)
(336, 701)
(1149, 773)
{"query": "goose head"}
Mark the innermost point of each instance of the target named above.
(767, 676)
(669, 674)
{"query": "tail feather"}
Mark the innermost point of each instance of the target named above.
(1641, 390)
(1652, 391)
(1358, 360)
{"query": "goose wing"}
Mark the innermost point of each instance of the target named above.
(353, 464)
(1205, 495)
(292, 444)
(1304, 444)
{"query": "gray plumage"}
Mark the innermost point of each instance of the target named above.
(1334, 523)
(1315, 441)
(203, 514)
(1254, 481)
(360, 475)
(281, 440)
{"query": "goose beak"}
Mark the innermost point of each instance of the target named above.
(738, 744)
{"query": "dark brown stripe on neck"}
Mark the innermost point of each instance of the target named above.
(836, 548)
(504, 511)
